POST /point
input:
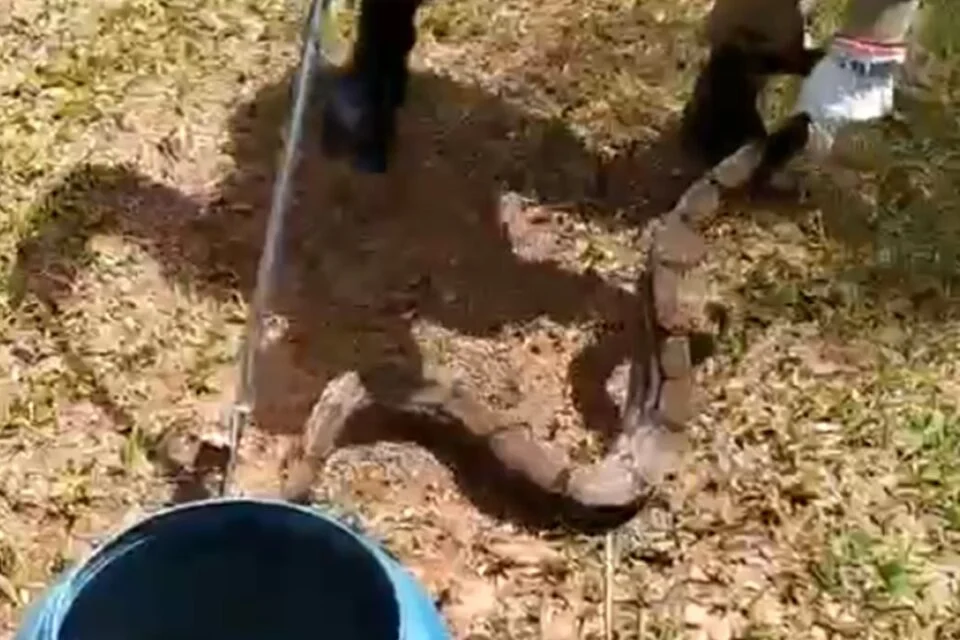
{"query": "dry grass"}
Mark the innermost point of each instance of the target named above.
(823, 498)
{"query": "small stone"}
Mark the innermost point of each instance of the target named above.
(675, 360)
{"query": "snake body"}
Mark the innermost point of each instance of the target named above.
(660, 398)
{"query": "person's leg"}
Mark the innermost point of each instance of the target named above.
(722, 114)
(781, 146)
(749, 41)
(360, 116)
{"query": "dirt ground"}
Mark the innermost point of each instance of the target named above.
(138, 142)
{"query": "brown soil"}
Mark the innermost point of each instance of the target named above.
(501, 249)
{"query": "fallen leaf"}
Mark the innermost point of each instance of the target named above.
(475, 599)
(525, 552)
(718, 628)
(767, 611)
(8, 590)
(558, 624)
(695, 615)
(698, 575)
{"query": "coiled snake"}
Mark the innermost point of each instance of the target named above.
(659, 402)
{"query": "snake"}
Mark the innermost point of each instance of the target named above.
(660, 400)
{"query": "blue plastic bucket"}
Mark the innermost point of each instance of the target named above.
(236, 569)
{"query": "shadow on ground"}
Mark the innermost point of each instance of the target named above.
(366, 255)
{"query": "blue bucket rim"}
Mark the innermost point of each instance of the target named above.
(76, 578)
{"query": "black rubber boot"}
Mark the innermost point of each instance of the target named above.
(359, 119)
(722, 114)
(779, 148)
(357, 127)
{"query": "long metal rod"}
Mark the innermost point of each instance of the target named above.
(242, 408)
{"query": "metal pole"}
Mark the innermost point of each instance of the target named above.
(242, 408)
